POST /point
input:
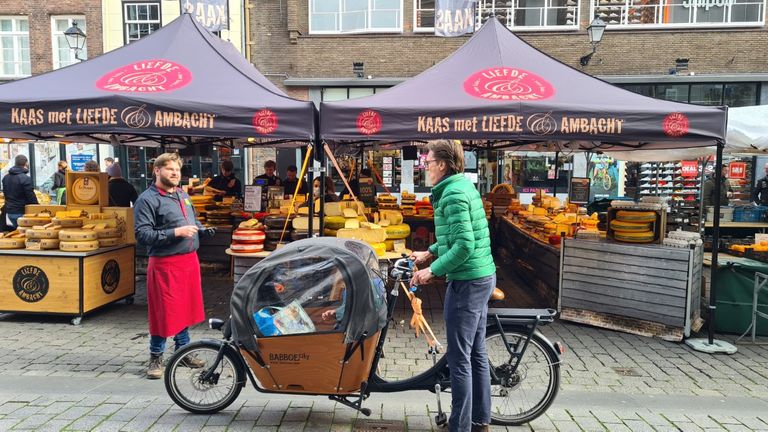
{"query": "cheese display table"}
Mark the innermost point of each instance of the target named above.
(651, 290)
(65, 283)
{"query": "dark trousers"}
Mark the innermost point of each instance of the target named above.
(466, 309)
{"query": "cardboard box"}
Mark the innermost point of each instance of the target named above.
(37, 208)
(126, 213)
(98, 180)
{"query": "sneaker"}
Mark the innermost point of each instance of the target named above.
(155, 369)
(192, 362)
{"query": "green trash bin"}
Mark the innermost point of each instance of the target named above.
(735, 290)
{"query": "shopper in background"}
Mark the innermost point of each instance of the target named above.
(226, 181)
(60, 182)
(330, 193)
(760, 192)
(463, 255)
(121, 192)
(92, 166)
(269, 174)
(708, 194)
(18, 191)
(290, 181)
(108, 161)
(167, 225)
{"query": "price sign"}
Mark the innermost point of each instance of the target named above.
(579, 192)
(252, 199)
(737, 170)
(690, 169)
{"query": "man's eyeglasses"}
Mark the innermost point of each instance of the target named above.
(427, 162)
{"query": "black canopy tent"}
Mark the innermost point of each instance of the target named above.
(179, 85)
(499, 89)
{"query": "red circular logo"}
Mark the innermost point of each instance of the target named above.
(676, 124)
(265, 121)
(369, 122)
(148, 76)
(508, 84)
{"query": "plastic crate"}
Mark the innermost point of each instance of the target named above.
(750, 214)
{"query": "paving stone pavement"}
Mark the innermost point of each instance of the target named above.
(55, 376)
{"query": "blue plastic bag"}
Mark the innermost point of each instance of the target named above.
(265, 322)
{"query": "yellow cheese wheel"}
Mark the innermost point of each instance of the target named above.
(370, 235)
(390, 245)
(12, 243)
(41, 234)
(329, 232)
(112, 241)
(399, 231)
(623, 226)
(636, 216)
(32, 221)
(379, 248)
(107, 232)
(77, 235)
(68, 222)
(85, 190)
(43, 243)
(79, 246)
(634, 237)
(334, 222)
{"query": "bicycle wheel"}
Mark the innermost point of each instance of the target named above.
(190, 390)
(607, 181)
(520, 396)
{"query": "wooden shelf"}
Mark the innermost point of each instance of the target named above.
(708, 224)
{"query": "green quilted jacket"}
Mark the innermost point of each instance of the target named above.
(463, 247)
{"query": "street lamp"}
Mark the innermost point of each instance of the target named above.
(595, 31)
(75, 39)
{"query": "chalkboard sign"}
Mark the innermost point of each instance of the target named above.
(252, 199)
(367, 192)
(579, 192)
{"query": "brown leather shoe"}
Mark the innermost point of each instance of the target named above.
(480, 428)
(155, 369)
(192, 362)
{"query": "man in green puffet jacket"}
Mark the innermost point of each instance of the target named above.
(463, 256)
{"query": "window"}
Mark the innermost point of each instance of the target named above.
(140, 19)
(740, 94)
(62, 54)
(355, 16)
(424, 15)
(531, 14)
(707, 94)
(14, 47)
(680, 13)
(733, 94)
(331, 94)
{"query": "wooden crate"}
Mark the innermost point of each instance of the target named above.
(659, 227)
(101, 178)
(126, 213)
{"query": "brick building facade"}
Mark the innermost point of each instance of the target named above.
(640, 56)
(32, 26)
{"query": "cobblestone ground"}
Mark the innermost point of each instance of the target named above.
(55, 376)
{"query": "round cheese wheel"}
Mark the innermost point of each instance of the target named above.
(248, 236)
(107, 242)
(77, 235)
(68, 222)
(301, 235)
(275, 234)
(32, 221)
(275, 222)
(335, 222)
(634, 237)
(44, 243)
(85, 190)
(41, 234)
(246, 248)
(11, 243)
(79, 246)
(636, 216)
(399, 231)
(623, 226)
(108, 232)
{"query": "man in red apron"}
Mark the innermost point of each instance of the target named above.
(166, 224)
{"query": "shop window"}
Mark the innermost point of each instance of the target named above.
(740, 94)
(355, 16)
(424, 15)
(679, 12)
(140, 19)
(331, 94)
(707, 94)
(78, 154)
(63, 55)
(673, 92)
(522, 14)
(8, 152)
(643, 89)
(46, 161)
(14, 47)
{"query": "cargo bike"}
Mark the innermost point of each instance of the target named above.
(312, 319)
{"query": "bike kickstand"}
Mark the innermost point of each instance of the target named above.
(440, 419)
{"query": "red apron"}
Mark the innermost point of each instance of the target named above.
(174, 294)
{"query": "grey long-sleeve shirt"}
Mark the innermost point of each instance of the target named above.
(157, 214)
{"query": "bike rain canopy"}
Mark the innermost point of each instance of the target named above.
(498, 88)
(180, 81)
(288, 292)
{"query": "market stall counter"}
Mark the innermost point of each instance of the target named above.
(646, 289)
(65, 283)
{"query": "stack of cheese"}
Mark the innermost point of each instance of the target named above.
(408, 203)
(633, 226)
(357, 227)
(108, 227)
(12, 240)
(344, 214)
(424, 208)
(387, 202)
(274, 225)
(221, 217)
(248, 237)
(201, 204)
(31, 220)
(43, 237)
(397, 231)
